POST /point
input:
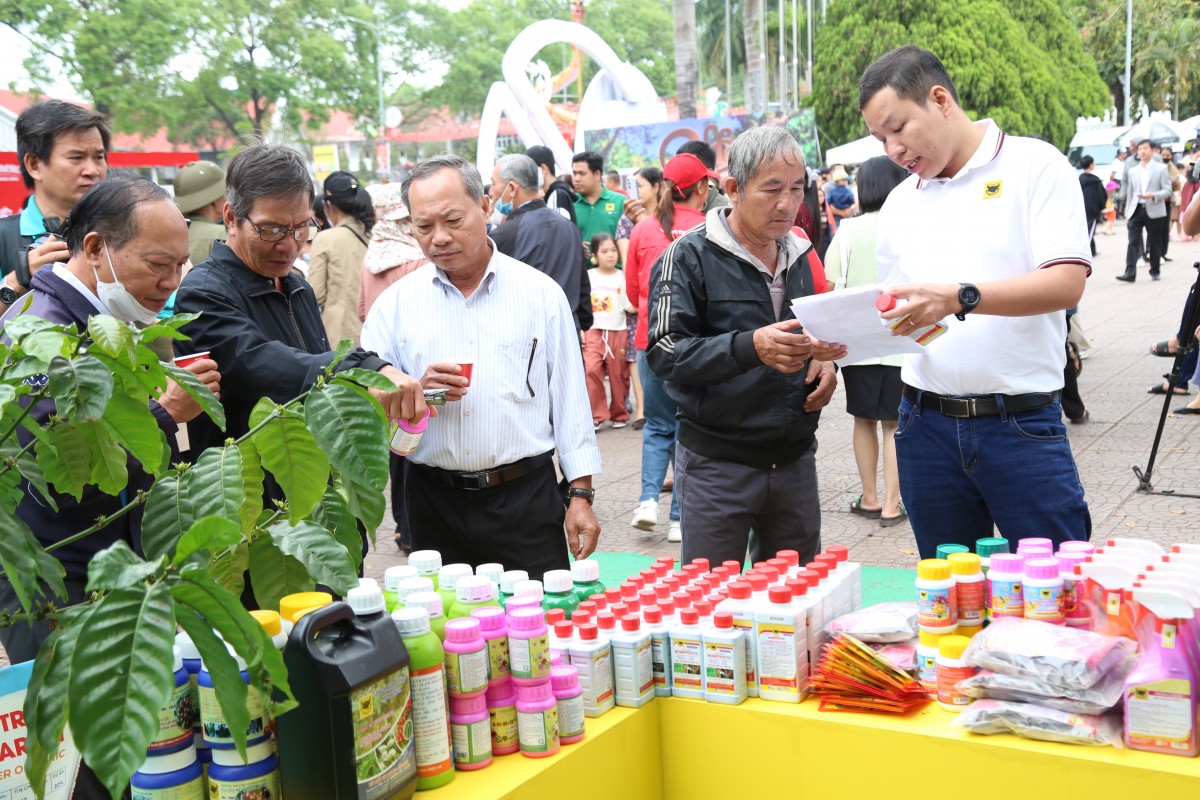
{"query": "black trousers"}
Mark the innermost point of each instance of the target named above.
(518, 524)
(1153, 229)
(1072, 403)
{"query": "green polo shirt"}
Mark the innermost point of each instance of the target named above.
(601, 216)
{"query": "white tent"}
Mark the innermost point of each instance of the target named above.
(855, 152)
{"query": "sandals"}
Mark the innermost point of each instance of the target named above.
(891, 522)
(1163, 349)
(1186, 410)
(1158, 388)
(868, 513)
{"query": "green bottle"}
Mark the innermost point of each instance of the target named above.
(447, 582)
(391, 580)
(474, 591)
(432, 603)
(427, 668)
(428, 563)
(508, 584)
(586, 577)
(560, 591)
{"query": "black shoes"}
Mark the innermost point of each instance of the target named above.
(1127, 278)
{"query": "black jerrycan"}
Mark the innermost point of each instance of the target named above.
(351, 738)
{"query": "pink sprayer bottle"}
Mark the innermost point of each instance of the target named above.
(1160, 695)
(885, 302)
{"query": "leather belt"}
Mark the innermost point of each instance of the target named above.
(488, 478)
(982, 405)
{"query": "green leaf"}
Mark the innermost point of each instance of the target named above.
(215, 481)
(118, 567)
(366, 504)
(47, 345)
(110, 470)
(122, 679)
(173, 322)
(274, 575)
(169, 513)
(67, 462)
(24, 562)
(24, 325)
(27, 468)
(7, 394)
(80, 387)
(229, 568)
(111, 336)
(129, 421)
(252, 485)
(316, 548)
(208, 533)
(350, 433)
(333, 514)
(231, 691)
(207, 401)
(366, 378)
(339, 352)
(291, 454)
(156, 332)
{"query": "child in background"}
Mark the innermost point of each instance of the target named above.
(1110, 208)
(604, 346)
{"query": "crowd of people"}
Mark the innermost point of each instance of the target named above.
(550, 306)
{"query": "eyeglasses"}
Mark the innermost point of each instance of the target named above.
(304, 233)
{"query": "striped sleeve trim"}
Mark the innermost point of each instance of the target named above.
(666, 342)
(1055, 262)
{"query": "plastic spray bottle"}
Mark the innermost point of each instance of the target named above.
(1160, 695)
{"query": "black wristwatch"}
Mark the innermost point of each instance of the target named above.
(7, 295)
(968, 298)
(586, 494)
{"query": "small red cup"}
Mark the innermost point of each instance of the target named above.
(184, 361)
(467, 367)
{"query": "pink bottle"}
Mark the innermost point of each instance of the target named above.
(502, 708)
(466, 658)
(537, 720)
(1034, 541)
(521, 601)
(1075, 601)
(568, 696)
(1077, 547)
(528, 646)
(494, 627)
(471, 732)
(1160, 695)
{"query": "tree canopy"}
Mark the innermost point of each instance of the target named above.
(1021, 64)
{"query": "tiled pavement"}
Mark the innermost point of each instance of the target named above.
(1121, 321)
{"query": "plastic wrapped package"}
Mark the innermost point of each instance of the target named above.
(901, 655)
(882, 623)
(1096, 699)
(1038, 722)
(1064, 657)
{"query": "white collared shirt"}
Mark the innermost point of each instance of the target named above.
(527, 393)
(1015, 207)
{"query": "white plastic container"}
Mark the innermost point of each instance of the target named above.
(529, 588)
(492, 572)
(633, 664)
(782, 649)
(591, 656)
(411, 586)
(560, 638)
(742, 607)
(724, 661)
(852, 569)
(428, 564)
(1152, 550)
(950, 670)
(660, 649)
(509, 580)
(937, 598)
(687, 656)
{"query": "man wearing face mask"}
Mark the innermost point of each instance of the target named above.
(539, 236)
(127, 243)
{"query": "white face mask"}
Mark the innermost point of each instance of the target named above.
(117, 299)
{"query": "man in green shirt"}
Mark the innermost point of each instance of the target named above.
(200, 195)
(598, 209)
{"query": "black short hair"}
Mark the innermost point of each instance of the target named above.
(108, 209)
(1086, 162)
(612, 174)
(594, 161)
(42, 123)
(266, 169)
(653, 176)
(702, 151)
(910, 71)
(875, 180)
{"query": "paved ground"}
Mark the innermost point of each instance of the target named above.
(1121, 321)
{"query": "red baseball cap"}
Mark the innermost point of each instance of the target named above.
(687, 170)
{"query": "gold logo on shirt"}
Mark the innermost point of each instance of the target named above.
(610, 207)
(992, 189)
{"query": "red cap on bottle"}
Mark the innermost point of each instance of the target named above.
(682, 599)
(780, 595)
(563, 630)
(723, 619)
(619, 610)
(703, 608)
(739, 590)
(693, 571)
(555, 616)
(652, 615)
(663, 570)
(612, 595)
(633, 605)
(630, 588)
(589, 606)
(840, 550)
(695, 593)
(689, 616)
(702, 563)
(770, 571)
(734, 566)
(647, 597)
(630, 622)
(580, 617)
(648, 576)
(606, 620)
(791, 557)
(600, 600)
(884, 303)
(797, 586)
(667, 607)
(758, 583)
(673, 583)
(662, 591)
(780, 564)
(668, 560)
(589, 632)
(827, 558)
(818, 567)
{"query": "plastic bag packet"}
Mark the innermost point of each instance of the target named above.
(1038, 722)
(901, 655)
(1063, 657)
(881, 623)
(1096, 699)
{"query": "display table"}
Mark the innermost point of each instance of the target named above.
(676, 749)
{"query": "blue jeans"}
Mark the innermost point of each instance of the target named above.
(658, 435)
(959, 476)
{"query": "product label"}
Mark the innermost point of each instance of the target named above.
(686, 664)
(175, 720)
(194, 698)
(778, 662)
(1160, 714)
(431, 721)
(538, 731)
(529, 658)
(720, 668)
(927, 671)
(972, 603)
(498, 658)
(1045, 603)
(1070, 596)
(1168, 637)
(947, 684)
(1112, 603)
(192, 790)
(467, 673)
(1007, 598)
(216, 729)
(937, 608)
(504, 727)
(600, 678)
(385, 754)
(746, 626)
(265, 787)
(660, 653)
(570, 716)
(472, 741)
(643, 666)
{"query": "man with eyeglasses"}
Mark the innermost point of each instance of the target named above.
(259, 319)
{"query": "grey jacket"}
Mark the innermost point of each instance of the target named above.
(1158, 183)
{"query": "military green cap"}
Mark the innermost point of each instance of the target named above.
(198, 184)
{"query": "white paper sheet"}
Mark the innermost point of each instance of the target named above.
(849, 317)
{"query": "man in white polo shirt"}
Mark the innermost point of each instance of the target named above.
(988, 235)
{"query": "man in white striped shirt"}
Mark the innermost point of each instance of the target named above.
(483, 487)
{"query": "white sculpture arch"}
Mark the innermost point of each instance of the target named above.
(620, 94)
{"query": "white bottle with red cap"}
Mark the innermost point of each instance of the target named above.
(724, 661)
(660, 648)
(591, 656)
(687, 656)
(741, 606)
(782, 648)
(559, 638)
(633, 663)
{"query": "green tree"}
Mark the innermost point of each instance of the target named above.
(1172, 62)
(1029, 73)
